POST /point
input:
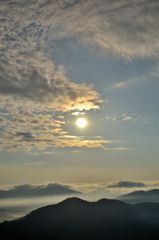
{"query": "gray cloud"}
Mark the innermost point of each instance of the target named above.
(28, 191)
(127, 184)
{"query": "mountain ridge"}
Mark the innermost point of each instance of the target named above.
(140, 196)
(78, 219)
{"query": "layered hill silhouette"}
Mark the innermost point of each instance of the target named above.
(141, 196)
(77, 219)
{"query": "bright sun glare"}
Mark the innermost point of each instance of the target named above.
(81, 122)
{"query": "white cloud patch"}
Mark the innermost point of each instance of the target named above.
(120, 85)
(123, 118)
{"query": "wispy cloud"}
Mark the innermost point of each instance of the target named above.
(120, 85)
(125, 117)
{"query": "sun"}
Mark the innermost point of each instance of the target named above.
(81, 122)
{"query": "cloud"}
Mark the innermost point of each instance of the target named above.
(133, 82)
(37, 127)
(80, 142)
(29, 191)
(78, 113)
(27, 68)
(124, 117)
(27, 129)
(36, 78)
(129, 118)
(33, 85)
(116, 148)
(127, 184)
(120, 85)
(30, 29)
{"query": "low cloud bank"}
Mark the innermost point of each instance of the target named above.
(127, 184)
(28, 190)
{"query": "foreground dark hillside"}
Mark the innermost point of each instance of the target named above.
(81, 220)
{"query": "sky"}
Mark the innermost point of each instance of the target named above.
(69, 59)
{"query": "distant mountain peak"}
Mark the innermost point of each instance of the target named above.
(73, 200)
(109, 200)
(140, 196)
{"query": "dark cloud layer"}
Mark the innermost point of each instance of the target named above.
(28, 191)
(127, 184)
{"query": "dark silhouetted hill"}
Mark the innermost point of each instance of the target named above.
(77, 219)
(141, 196)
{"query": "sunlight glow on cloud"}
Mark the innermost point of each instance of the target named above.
(30, 128)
